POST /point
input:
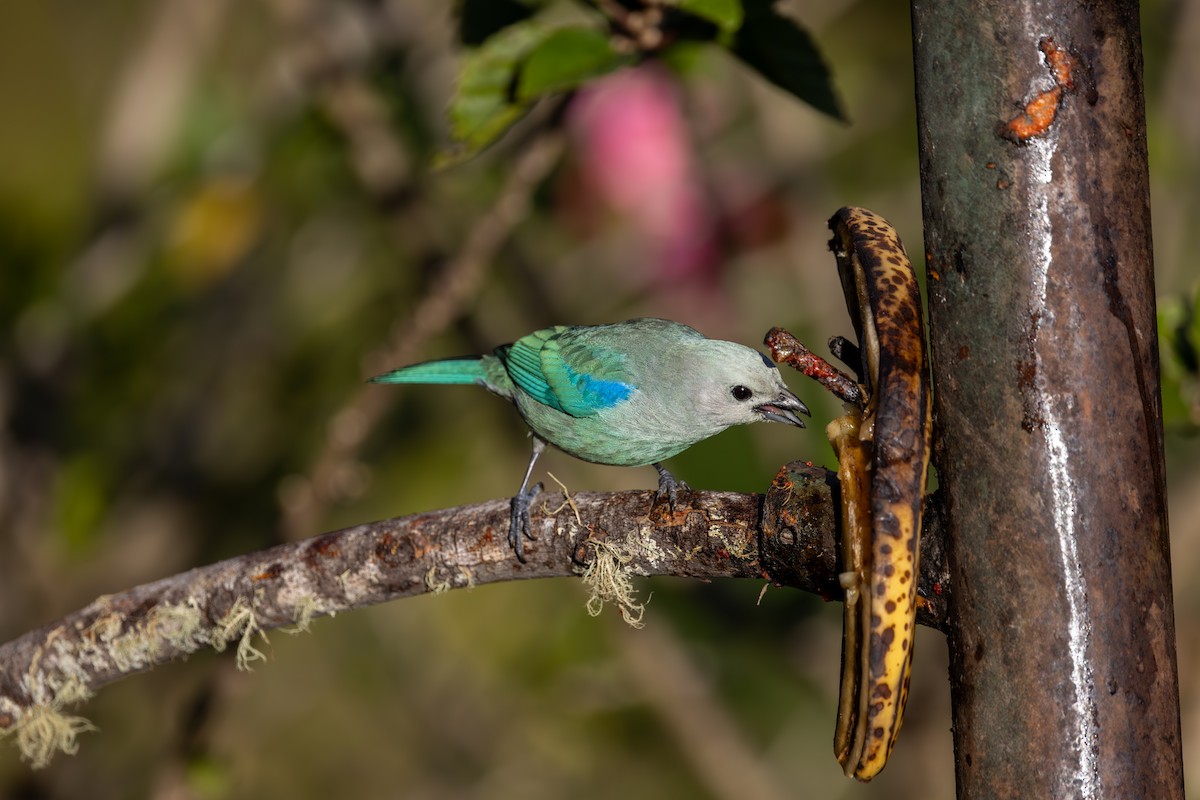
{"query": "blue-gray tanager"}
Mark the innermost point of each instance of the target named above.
(631, 394)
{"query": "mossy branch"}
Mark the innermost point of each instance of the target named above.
(786, 536)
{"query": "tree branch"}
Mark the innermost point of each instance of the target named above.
(786, 536)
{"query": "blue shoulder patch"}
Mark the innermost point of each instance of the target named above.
(598, 393)
(767, 360)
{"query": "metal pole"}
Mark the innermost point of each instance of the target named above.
(1047, 410)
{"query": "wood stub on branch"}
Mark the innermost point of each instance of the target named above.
(786, 536)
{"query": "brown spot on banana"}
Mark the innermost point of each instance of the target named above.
(883, 454)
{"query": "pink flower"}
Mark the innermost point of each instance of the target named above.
(636, 158)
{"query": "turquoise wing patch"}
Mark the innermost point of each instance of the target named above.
(523, 361)
(557, 368)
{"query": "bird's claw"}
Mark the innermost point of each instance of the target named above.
(519, 526)
(668, 488)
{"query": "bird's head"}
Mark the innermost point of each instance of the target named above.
(740, 385)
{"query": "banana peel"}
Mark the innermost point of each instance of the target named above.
(883, 448)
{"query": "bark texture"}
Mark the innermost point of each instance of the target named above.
(786, 535)
(1041, 291)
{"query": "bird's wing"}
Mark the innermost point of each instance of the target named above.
(568, 369)
(523, 361)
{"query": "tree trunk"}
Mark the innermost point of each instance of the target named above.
(1049, 429)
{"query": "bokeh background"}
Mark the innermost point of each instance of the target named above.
(217, 218)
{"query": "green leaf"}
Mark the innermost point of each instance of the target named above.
(483, 106)
(725, 14)
(565, 59)
(479, 20)
(785, 54)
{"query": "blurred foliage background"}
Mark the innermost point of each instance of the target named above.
(218, 218)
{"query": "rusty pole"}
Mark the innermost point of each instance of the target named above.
(1049, 437)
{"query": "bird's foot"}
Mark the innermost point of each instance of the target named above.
(668, 487)
(519, 525)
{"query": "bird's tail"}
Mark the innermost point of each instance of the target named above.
(468, 369)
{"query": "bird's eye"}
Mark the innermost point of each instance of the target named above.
(741, 393)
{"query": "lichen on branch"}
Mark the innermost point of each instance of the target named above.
(785, 536)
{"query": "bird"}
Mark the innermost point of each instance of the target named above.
(630, 393)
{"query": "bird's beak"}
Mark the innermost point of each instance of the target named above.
(783, 409)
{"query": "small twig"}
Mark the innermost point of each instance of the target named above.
(787, 348)
(846, 352)
(567, 499)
